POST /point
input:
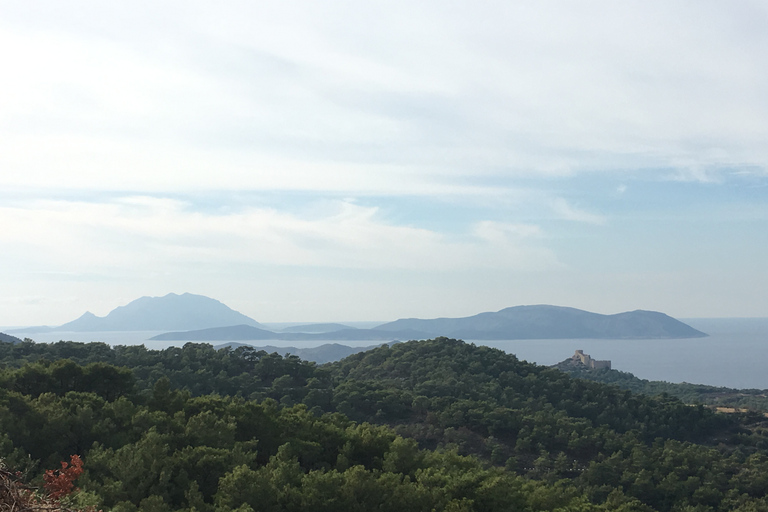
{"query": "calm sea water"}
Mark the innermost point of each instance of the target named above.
(734, 355)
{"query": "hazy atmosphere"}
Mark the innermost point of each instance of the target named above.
(350, 161)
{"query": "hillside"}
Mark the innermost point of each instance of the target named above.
(170, 312)
(549, 322)
(239, 429)
(7, 338)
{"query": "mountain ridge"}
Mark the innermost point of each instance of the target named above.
(517, 322)
(545, 321)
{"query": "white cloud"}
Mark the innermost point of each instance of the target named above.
(497, 232)
(566, 211)
(395, 98)
(142, 234)
(697, 173)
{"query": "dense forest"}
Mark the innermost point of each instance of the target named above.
(424, 425)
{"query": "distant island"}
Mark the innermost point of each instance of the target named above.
(551, 322)
(170, 312)
(250, 333)
(317, 328)
(515, 323)
(189, 317)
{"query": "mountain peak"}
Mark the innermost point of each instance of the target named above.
(169, 312)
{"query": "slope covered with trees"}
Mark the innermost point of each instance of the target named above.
(437, 424)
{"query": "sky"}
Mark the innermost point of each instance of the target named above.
(352, 161)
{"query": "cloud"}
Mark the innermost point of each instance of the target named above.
(692, 172)
(370, 99)
(565, 211)
(141, 234)
(497, 231)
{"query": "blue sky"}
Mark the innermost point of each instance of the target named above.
(342, 161)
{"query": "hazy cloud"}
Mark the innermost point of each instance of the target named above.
(141, 231)
(377, 99)
(566, 211)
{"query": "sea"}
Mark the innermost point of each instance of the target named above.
(734, 355)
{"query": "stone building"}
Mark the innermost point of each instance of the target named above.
(592, 364)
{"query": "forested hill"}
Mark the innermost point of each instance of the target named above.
(194, 427)
(487, 389)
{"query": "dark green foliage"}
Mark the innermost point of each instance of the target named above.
(226, 453)
(64, 375)
(451, 384)
(195, 428)
(196, 367)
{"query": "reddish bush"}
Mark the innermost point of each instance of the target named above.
(61, 482)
